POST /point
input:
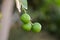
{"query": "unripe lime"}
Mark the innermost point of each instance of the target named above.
(36, 27)
(25, 18)
(27, 27)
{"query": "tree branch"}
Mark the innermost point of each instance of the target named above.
(7, 9)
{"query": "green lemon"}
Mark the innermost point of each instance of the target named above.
(25, 18)
(36, 27)
(27, 27)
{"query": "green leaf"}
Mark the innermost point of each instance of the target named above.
(23, 3)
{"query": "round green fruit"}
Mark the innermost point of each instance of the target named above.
(25, 18)
(27, 27)
(36, 27)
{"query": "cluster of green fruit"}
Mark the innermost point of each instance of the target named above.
(28, 25)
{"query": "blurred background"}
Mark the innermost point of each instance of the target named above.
(46, 12)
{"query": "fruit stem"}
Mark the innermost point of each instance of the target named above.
(24, 10)
(31, 23)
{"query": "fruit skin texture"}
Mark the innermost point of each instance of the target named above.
(25, 18)
(27, 27)
(36, 27)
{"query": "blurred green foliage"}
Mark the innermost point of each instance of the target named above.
(47, 12)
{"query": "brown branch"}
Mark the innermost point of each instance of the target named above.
(7, 9)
